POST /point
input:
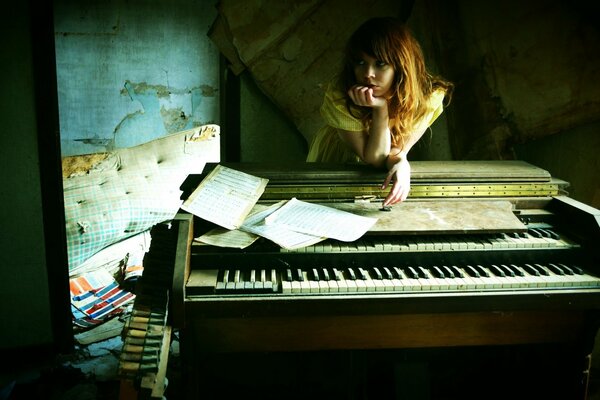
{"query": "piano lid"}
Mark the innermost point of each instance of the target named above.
(324, 182)
(426, 171)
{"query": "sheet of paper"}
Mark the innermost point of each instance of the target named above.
(222, 237)
(320, 220)
(225, 197)
(279, 234)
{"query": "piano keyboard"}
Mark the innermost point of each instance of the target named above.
(533, 238)
(389, 279)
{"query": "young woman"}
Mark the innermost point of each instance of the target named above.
(381, 104)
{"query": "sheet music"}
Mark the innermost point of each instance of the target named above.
(321, 221)
(227, 238)
(225, 197)
(279, 234)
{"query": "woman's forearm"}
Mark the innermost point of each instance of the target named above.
(379, 142)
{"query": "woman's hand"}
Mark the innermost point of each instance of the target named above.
(363, 96)
(399, 177)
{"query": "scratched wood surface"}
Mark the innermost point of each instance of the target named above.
(473, 170)
(439, 216)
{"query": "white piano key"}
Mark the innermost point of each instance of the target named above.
(352, 285)
(304, 283)
(399, 284)
(374, 280)
(286, 287)
(536, 280)
(323, 286)
(360, 285)
(552, 279)
(341, 282)
(314, 286)
(333, 286)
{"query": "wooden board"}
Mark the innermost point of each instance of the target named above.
(485, 216)
(472, 170)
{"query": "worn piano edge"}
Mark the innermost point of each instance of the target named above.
(181, 270)
(155, 383)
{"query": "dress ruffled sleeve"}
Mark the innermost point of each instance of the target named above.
(435, 107)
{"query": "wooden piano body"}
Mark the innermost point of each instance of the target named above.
(512, 339)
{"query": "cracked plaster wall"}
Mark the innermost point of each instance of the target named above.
(131, 72)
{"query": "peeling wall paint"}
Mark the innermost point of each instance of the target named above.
(131, 72)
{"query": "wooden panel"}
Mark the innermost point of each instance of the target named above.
(181, 265)
(496, 170)
(438, 216)
(380, 332)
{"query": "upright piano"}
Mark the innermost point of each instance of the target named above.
(484, 284)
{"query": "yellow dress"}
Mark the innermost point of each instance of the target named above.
(327, 146)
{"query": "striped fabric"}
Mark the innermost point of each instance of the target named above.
(96, 297)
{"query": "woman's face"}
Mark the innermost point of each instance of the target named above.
(375, 74)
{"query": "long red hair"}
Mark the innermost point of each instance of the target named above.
(387, 39)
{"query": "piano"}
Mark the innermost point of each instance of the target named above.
(485, 283)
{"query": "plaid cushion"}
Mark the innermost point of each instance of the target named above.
(131, 191)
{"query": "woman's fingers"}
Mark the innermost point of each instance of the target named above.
(396, 195)
(361, 95)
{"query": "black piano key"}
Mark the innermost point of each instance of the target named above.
(299, 276)
(472, 272)
(315, 274)
(531, 270)
(482, 271)
(534, 232)
(377, 273)
(325, 274)
(555, 269)
(362, 273)
(497, 271)
(411, 273)
(457, 271)
(551, 233)
(337, 275)
(576, 269)
(288, 275)
(351, 274)
(423, 273)
(542, 270)
(448, 271)
(544, 232)
(387, 273)
(397, 273)
(566, 269)
(518, 270)
(507, 270)
(437, 272)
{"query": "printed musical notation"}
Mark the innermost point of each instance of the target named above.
(225, 197)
